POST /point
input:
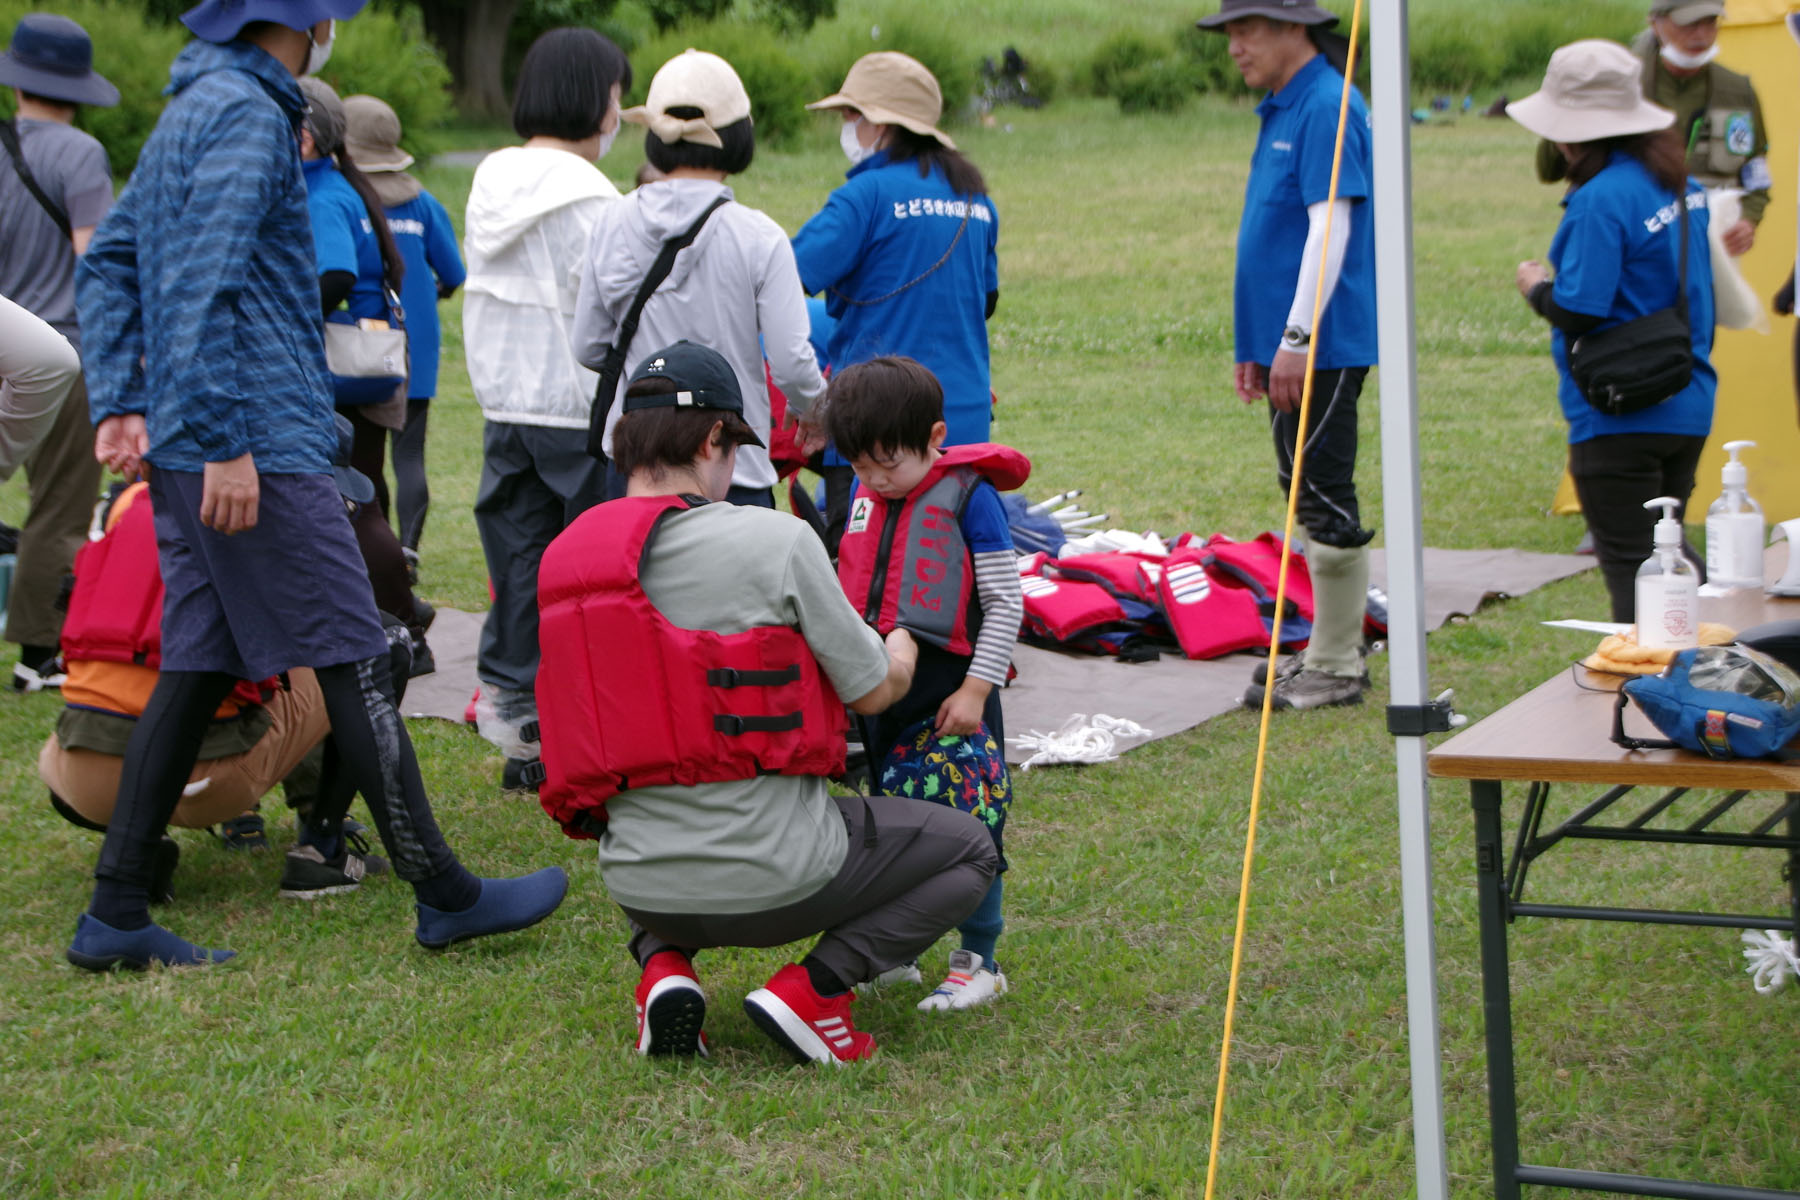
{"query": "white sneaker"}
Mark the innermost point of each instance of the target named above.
(969, 984)
(906, 972)
(26, 680)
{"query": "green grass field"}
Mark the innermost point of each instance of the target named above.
(335, 1058)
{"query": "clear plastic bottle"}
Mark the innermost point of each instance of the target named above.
(1668, 588)
(1734, 528)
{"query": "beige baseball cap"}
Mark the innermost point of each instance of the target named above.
(890, 88)
(372, 134)
(692, 79)
(1593, 89)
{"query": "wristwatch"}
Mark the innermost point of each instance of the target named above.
(1294, 338)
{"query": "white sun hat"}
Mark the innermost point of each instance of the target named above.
(1594, 89)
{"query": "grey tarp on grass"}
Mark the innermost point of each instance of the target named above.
(1166, 696)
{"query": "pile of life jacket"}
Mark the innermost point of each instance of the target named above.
(1206, 597)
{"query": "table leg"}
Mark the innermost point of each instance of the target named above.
(1496, 986)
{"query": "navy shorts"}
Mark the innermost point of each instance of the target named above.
(290, 592)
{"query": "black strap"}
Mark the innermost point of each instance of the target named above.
(614, 366)
(728, 677)
(732, 725)
(9, 134)
(1681, 206)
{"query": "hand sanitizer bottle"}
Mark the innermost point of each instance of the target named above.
(1734, 529)
(1668, 587)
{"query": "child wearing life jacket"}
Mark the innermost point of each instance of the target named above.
(926, 549)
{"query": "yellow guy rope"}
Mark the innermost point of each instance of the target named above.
(1287, 541)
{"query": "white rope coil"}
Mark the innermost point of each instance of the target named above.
(1082, 739)
(1772, 960)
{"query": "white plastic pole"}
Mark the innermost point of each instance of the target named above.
(1391, 113)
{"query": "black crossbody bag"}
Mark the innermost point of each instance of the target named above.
(614, 366)
(9, 134)
(1643, 362)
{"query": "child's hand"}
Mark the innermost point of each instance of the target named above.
(960, 713)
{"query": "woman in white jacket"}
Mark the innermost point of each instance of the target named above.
(735, 289)
(530, 213)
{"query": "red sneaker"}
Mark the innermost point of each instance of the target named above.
(811, 1027)
(670, 1007)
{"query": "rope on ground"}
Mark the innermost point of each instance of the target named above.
(1281, 582)
(1082, 739)
(1773, 959)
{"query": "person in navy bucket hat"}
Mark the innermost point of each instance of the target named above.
(52, 57)
(55, 185)
(207, 362)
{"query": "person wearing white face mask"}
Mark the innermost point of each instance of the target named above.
(1716, 110)
(904, 250)
(531, 209)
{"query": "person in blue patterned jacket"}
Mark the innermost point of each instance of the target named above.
(207, 362)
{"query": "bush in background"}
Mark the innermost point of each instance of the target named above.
(955, 63)
(1209, 54)
(1163, 86)
(1118, 56)
(131, 52)
(388, 55)
(780, 85)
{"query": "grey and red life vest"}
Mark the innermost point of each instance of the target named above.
(905, 562)
(628, 699)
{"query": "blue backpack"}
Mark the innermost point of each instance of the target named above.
(1720, 701)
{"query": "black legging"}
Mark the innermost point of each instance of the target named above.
(368, 454)
(1614, 476)
(371, 745)
(412, 493)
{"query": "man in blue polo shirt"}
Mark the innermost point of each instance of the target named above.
(1286, 261)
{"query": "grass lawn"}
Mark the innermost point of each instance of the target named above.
(335, 1058)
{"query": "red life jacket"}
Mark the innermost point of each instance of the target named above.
(112, 634)
(905, 562)
(628, 699)
(1258, 561)
(1062, 609)
(1208, 617)
(1120, 573)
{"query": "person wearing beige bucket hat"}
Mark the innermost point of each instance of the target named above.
(434, 270)
(905, 250)
(1616, 257)
(734, 289)
(1717, 113)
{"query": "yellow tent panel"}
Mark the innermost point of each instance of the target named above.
(1756, 379)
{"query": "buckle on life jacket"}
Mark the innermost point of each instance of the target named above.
(730, 677)
(732, 725)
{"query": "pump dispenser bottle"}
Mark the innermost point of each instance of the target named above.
(1734, 529)
(1668, 588)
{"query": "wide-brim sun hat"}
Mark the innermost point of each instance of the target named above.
(1593, 89)
(692, 79)
(372, 134)
(1294, 12)
(53, 57)
(890, 88)
(222, 20)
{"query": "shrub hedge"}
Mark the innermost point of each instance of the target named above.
(380, 52)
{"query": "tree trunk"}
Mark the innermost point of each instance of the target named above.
(472, 36)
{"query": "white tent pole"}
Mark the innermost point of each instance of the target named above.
(1391, 113)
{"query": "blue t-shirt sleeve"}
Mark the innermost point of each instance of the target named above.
(993, 257)
(1589, 255)
(334, 230)
(984, 521)
(1317, 138)
(829, 246)
(440, 245)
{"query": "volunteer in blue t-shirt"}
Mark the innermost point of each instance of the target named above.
(904, 251)
(1616, 257)
(1301, 250)
(434, 269)
(357, 260)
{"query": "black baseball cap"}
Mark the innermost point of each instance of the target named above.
(701, 378)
